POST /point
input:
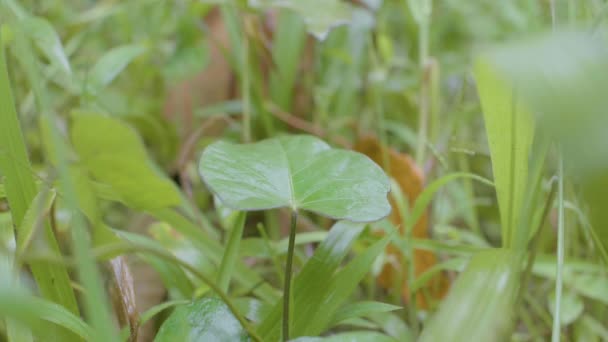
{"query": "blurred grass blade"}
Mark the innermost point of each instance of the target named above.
(288, 44)
(360, 309)
(231, 252)
(111, 64)
(52, 279)
(15, 331)
(42, 33)
(358, 336)
(563, 77)
(426, 196)
(510, 130)
(30, 309)
(312, 282)
(33, 218)
(341, 286)
(480, 304)
(95, 297)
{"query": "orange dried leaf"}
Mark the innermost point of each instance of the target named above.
(410, 179)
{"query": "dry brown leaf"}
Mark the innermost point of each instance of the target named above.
(123, 296)
(411, 181)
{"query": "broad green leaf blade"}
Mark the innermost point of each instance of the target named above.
(299, 172)
(510, 130)
(320, 16)
(42, 33)
(114, 154)
(206, 319)
(479, 306)
(307, 289)
(26, 308)
(353, 336)
(112, 63)
(562, 78)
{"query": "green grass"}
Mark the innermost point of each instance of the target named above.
(499, 103)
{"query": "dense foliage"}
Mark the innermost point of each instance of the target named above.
(319, 170)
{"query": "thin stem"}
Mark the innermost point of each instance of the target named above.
(246, 89)
(287, 284)
(424, 105)
(560, 253)
(555, 332)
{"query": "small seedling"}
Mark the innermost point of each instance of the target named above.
(300, 173)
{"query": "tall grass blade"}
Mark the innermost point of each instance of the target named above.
(52, 280)
(510, 130)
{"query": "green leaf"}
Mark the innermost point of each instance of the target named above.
(320, 16)
(44, 36)
(113, 63)
(114, 154)
(510, 130)
(571, 307)
(307, 288)
(361, 309)
(321, 285)
(353, 336)
(52, 279)
(479, 306)
(23, 307)
(187, 61)
(341, 286)
(299, 172)
(205, 319)
(562, 78)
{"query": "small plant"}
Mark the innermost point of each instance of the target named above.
(299, 173)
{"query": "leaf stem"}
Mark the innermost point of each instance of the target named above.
(287, 284)
(560, 253)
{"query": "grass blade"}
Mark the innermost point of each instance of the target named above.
(307, 288)
(510, 131)
(52, 280)
(480, 304)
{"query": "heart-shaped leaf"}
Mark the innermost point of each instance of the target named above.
(205, 319)
(299, 172)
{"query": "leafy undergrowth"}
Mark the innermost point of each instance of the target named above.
(273, 170)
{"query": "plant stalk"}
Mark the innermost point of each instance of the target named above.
(560, 253)
(287, 284)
